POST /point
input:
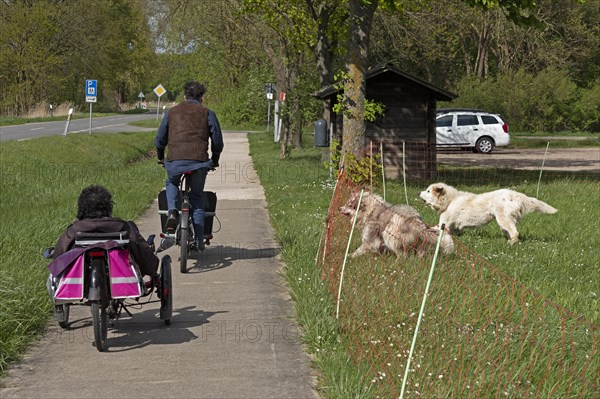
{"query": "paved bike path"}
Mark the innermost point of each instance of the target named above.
(232, 333)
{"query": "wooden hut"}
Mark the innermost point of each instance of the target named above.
(408, 121)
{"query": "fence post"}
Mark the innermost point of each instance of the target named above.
(414, 340)
(371, 163)
(382, 169)
(404, 169)
(337, 308)
(339, 176)
(537, 193)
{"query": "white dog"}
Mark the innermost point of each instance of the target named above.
(460, 209)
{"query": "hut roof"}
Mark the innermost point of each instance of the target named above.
(387, 68)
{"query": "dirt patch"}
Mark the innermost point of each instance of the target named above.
(559, 159)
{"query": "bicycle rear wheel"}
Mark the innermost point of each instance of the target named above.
(183, 245)
(166, 290)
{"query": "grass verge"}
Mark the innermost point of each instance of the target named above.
(41, 180)
(298, 196)
(13, 120)
(224, 126)
(558, 256)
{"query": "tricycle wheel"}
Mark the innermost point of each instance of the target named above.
(166, 290)
(100, 322)
(99, 313)
(61, 314)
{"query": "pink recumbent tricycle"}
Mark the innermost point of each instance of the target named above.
(97, 272)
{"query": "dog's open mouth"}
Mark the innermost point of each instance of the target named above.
(345, 211)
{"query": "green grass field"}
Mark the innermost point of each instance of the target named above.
(40, 182)
(558, 258)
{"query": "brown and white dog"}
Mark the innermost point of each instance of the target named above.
(398, 228)
(460, 209)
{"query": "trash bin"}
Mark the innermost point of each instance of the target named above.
(321, 134)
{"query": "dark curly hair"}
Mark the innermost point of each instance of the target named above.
(194, 90)
(94, 202)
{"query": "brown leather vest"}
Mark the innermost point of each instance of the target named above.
(188, 132)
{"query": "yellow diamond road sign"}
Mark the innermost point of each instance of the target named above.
(160, 90)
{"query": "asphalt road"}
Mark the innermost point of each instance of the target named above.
(586, 159)
(105, 124)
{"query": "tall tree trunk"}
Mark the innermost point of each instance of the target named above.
(361, 16)
(483, 48)
(280, 66)
(295, 120)
(322, 14)
(324, 66)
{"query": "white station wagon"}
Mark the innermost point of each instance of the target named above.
(470, 128)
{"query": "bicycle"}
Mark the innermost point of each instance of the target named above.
(184, 232)
(100, 275)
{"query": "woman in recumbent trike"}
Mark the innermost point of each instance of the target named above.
(101, 261)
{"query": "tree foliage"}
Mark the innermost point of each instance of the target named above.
(49, 48)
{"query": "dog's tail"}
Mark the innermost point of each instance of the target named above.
(535, 205)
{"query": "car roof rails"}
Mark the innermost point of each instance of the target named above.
(446, 110)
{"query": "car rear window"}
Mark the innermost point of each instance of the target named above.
(489, 120)
(444, 121)
(467, 120)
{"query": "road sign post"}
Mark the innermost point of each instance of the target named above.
(159, 90)
(269, 91)
(91, 95)
(278, 120)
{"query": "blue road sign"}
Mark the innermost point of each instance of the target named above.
(91, 87)
(91, 90)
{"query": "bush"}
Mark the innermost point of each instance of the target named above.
(588, 108)
(244, 104)
(547, 102)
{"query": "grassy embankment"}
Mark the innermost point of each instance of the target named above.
(40, 182)
(13, 120)
(153, 123)
(558, 256)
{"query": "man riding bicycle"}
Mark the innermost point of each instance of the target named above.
(187, 129)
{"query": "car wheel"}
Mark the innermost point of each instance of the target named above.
(484, 145)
